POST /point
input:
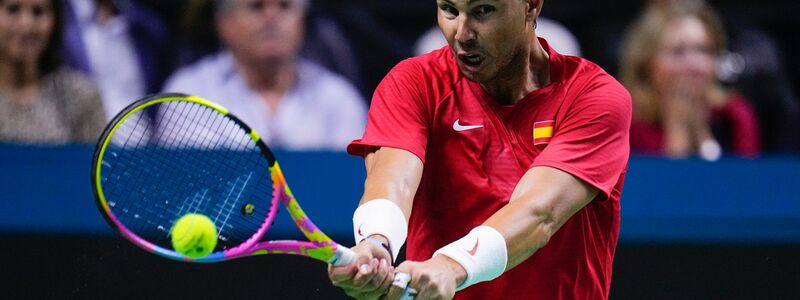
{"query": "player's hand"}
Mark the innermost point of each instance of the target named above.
(369, 277)
(436, 278)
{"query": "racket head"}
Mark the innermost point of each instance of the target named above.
(171, 154)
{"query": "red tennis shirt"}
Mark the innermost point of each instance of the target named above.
(475, 150)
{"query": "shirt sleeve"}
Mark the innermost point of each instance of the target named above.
(399, 114)
(591, 141)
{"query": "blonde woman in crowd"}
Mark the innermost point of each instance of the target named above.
(680, 108)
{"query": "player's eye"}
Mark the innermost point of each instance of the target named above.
(483, 11)
(449, 11)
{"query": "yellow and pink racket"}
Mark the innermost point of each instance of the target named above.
(168, 155)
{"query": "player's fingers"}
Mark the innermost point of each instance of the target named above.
(342, 274)
(379, 284)
(400, 291)
(420, 283)
(401, 281)
(395, 291)
(363, 262)
(383, 277)
(365, 274)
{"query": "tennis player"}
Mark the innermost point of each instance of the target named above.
(499, 160)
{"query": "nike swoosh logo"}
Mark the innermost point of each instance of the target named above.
(458, 127)
(474, 248)
(359, 231)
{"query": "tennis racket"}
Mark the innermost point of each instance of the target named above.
(168, 155)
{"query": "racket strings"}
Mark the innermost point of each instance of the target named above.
(136, 181)
(224, 210)
(221, 208)
(158, 178)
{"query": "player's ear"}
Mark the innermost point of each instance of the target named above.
(533, 9)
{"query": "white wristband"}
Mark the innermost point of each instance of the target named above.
(384, 217)
(482, 253)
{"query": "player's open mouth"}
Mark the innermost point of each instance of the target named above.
(470, 59)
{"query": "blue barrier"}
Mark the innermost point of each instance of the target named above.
(731, 200)
(48, 190)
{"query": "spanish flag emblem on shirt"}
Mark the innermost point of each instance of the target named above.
(542, 132)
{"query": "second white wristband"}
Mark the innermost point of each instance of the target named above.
(482, 253)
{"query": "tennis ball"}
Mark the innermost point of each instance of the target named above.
(194, 235)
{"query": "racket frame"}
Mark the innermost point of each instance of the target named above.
(319, 246)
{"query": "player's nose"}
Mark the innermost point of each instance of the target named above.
(465, 34)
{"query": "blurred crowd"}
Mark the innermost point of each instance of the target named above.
(701, 85)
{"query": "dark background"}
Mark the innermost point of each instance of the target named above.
(89, 267)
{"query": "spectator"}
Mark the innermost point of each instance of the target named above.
(42, 101)
(680, 108)
(259, 75)
(121, 45)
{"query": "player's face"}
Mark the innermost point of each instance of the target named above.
(685, 58)
(262, 29)
(25, 29)
(484, 35)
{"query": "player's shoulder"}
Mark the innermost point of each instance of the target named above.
(428, 77)
(437, 65)
(585, 79)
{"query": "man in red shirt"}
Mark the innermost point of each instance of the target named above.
(506, 160)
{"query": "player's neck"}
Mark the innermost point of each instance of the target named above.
(528, 70)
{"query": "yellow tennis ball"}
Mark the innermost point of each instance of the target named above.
(194, 235)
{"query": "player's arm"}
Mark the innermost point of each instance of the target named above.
(543, 200)
(393, 176)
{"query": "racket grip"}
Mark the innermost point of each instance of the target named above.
(401, 280)
(343, 256)
(409, 294)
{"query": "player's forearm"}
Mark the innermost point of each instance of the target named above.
(383, 186)
(542, 202)
(392, 174)
(525, 229)
(544, 199)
